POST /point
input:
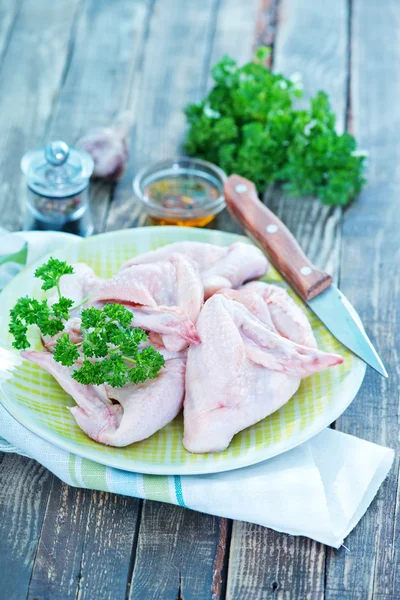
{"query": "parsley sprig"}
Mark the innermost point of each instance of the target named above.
(109, 350)
(107, 335)
(28, 311)
(51, 273)
(248, 125)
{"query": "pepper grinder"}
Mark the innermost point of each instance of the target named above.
(57, 178)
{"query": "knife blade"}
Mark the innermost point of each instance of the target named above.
(314, 286)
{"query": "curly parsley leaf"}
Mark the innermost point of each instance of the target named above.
(65, 352)
(148, 365)
(89, 373)
(112, 344)
(92, 317)
(109, 351)
(248, 125)
(29, 311)
(18, 330)
(118, 313)
(115, 371)
(62, 307)
(51, 272)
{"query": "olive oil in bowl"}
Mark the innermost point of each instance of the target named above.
(185, 192)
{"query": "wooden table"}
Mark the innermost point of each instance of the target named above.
(69, 65)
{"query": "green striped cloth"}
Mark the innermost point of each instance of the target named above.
(320, 489)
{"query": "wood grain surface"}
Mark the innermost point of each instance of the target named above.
(85, 545)
(99, 74)
(24, 489)
(369, 276)
(29, 83)
(295, 567)
(170, 76)
(94, 58)
(186, 546)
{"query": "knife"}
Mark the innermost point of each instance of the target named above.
(314, 286)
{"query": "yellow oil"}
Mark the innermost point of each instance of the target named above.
(195, 222)
(182, 194)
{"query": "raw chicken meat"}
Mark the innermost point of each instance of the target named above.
(254, 302)
(250, 345)
(77, 286)
(80, 284)
(140, 411)
(274, 307)
(72, 327)
(89, 397)
(169, 323)
(166, 297)
(242, 372)
(220, 267)
(174, 281)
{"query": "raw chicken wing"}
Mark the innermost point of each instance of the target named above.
(242, 372)
(220, 267)
(274, 307)
(140, 411)
(168, 325)
(81, 283)
(166, 297)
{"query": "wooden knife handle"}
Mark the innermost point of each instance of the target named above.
(282, 248)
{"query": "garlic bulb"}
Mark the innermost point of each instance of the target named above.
(108, 146)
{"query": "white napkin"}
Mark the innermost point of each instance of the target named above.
(320, 489)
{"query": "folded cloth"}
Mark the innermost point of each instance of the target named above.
(320, 489)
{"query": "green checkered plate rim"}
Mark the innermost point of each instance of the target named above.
(36, 400)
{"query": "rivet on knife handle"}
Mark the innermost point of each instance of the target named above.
(282, 248)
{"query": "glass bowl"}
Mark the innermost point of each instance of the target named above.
(181, 191)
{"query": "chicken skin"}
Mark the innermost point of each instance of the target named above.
(220, 267)
(240, 373)
(140, 410)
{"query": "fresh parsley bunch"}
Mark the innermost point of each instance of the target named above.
(247, 125)
(29, 311)
(109, 350)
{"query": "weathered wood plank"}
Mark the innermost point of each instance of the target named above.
(85, 545)
(312, 40)
(79, 546)
(174, 72)
(24, 489)
(9, 12)
(235, 33)
(30, 76)
(180, 554)
(28, 82)
(265, 564)
(167, 533)
(370, 272)
(103, 65)
(110, 540)
(57, 564)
